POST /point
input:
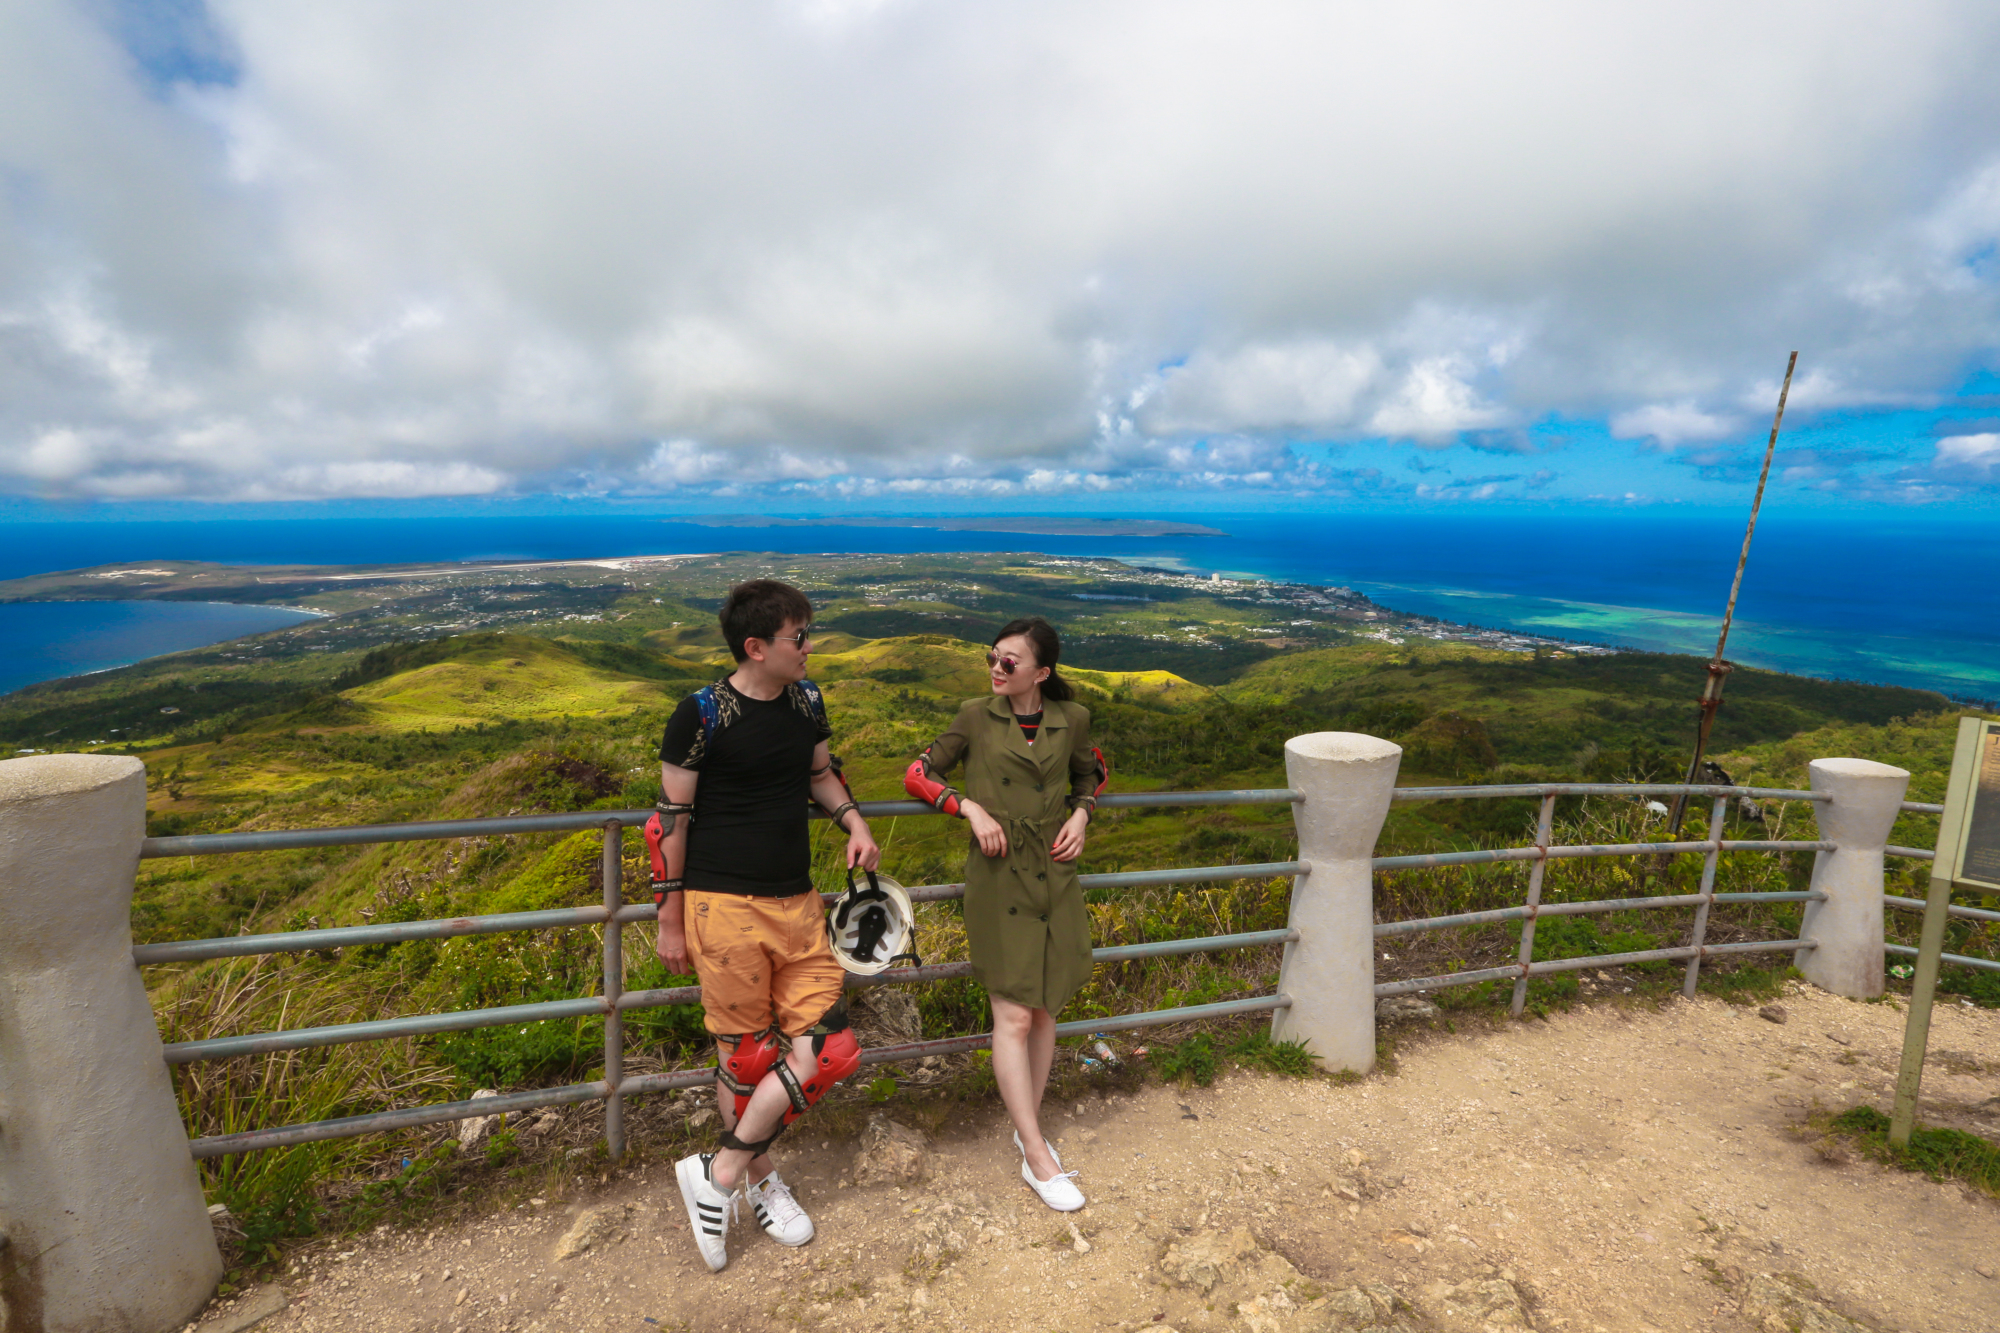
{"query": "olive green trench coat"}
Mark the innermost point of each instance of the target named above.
(1025, 920)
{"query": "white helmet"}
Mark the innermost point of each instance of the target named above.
(872, 927)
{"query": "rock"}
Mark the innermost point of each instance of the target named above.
(1352, 1307)
(228, 1231)
(1207, 1258)
(942, 1235)
(1985, 1270)
(1289, 1308)
(255, 1308)
(543, 1124)
(1787, 1303)
(594, 1228)
(884, 1016)
(1268, 1313)
(1229, 1270)
(472, 1130)
(1480, 1305)
(1773, 1013)
(705, 1117)
(1369, 1307)
(1404, 1009)
(890, 1153)
(1077, 1242)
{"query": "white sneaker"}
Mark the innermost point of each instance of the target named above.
(778, 1212)
(709, 1208)
(1058, 1193)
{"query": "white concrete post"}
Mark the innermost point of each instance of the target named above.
(100, 1203)
(1848, 925)
(1329, 971)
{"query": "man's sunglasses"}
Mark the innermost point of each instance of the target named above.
(802, 638)
(1007, 665)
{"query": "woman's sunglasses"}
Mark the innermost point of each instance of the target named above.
(1007, 665)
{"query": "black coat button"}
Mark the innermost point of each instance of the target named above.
(1040, 875)
(1013, 911)
(1038, 786)
(1006, 782)
(1043, 918)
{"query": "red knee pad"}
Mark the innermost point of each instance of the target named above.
(745, 1068)
(835, 1056)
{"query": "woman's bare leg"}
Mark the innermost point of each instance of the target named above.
(1042, 1050)
(1023, 1050)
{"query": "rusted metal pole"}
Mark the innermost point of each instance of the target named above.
(1718, 670)
(1716, 815)
(1543, 829)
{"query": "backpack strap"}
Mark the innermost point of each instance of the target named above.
(806, 697)
(711, 711)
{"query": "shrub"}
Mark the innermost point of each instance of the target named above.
(1188, 1062)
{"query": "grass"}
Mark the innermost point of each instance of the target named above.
(1941, 1154)
(501, 723)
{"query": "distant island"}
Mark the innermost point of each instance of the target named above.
(1027, 527)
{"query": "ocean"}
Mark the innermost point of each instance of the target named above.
(47, 640)
(1899, 598)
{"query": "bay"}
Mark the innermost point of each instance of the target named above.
(46, 640)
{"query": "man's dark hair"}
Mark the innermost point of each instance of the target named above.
(758, 609)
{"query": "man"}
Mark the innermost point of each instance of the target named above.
(737, 905)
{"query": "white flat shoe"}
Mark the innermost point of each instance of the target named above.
(1059, 1193)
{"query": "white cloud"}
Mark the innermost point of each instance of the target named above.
(847, 242)
(376, 480)
(1304, 385)
(1435, 402)
(1672, 423)
(1969, 456)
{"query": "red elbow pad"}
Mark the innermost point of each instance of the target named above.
(1103, 772)
(918, 782)
(656, 835)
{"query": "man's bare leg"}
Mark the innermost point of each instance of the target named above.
(725, 1106)
(766, 1108)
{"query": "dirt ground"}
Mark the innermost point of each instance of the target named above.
(1626, 1166)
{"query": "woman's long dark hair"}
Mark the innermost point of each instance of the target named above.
(1048, 651)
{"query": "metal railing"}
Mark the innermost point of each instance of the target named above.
(1896, 903)
(1695, 951)
(614, 1000)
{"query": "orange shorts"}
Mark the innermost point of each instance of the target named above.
(760, 961)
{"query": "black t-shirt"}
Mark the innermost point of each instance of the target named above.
(749, 834)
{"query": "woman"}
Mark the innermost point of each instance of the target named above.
(1031, 782)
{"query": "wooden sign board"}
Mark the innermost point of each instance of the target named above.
(1968, 848)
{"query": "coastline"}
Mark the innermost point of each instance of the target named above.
(1821, 600)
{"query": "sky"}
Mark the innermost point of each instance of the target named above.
(920, 255)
